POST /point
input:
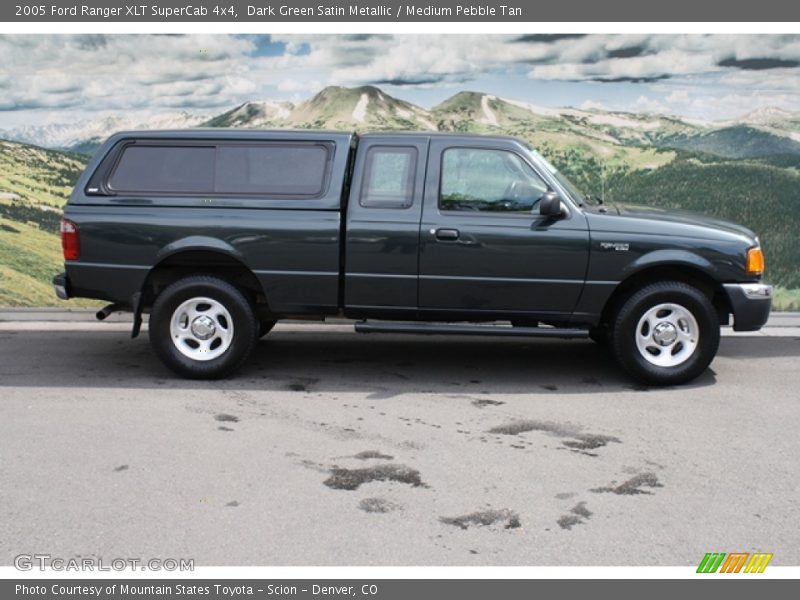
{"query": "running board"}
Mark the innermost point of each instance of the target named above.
(483, 330)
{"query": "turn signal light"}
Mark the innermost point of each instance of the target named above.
(70, 240)
(755, 261)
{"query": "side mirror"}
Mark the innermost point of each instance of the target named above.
(550, 205)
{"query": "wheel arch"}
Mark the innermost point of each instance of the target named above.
(192, 258)
(690, 273)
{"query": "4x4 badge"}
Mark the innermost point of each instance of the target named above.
(618, 246)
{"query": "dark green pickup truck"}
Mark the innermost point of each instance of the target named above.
(218, 234)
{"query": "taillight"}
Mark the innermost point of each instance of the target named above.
(755, 261)
(70, 240)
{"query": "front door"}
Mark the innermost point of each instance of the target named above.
(484, 249)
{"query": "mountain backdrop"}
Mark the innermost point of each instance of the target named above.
(746, 170)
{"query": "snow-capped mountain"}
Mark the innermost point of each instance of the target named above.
(763, 132)
(332, 108)
(84, 133)
(254, 114)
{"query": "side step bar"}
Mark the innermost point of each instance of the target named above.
(483, 330)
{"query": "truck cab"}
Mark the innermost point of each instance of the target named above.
(449, 227)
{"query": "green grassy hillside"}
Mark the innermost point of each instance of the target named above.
(762, 194)
(764, 197)
(37, 176)
(30, 258)
(740, 141)
(34, 185)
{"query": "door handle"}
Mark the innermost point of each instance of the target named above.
(446, 235)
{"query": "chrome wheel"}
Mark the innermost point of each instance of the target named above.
(201, 328)
(667, 335)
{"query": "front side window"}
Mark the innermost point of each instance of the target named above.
(486, 180)
(389, 177)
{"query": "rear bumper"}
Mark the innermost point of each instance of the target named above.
(61, 286)
(750, 303)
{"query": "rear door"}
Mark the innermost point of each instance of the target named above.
(383, 217)
(484, 249)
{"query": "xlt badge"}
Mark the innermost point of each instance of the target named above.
(618, 246)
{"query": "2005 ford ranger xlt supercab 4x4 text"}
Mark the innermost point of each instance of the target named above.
(218, 234)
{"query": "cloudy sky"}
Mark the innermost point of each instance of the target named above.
(61, 78)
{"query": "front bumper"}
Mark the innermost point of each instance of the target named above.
(61, 286)
(750, 303)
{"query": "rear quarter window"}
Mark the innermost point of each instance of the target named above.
(389, 177)
(275, 169)
(228, 168)
(169, 169)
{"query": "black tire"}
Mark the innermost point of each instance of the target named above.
(243, 333)
(264, 327)
(633, 309)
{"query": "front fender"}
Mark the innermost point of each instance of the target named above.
(667, 257)
(610, 266)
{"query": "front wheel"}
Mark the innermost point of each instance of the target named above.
(202, 327)
(666, 333)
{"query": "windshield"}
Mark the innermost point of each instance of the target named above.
(572, 190)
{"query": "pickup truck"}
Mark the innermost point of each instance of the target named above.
(218, 234)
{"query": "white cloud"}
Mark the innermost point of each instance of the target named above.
(655, 56)
(664, 64)
(592, 105)
(677, 97)
(779, 80)
(118, 73)
(300, 85)
(728, 106)
(411, 58)
(649, 105)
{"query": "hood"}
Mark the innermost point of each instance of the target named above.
(679, 217)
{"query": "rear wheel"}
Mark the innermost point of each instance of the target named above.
(202, 327)
(667, 333)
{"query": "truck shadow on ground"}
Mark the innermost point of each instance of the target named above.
(380, 365)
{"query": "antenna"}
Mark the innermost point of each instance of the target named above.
(602, 182)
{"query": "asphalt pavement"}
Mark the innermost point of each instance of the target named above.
(334, 448)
